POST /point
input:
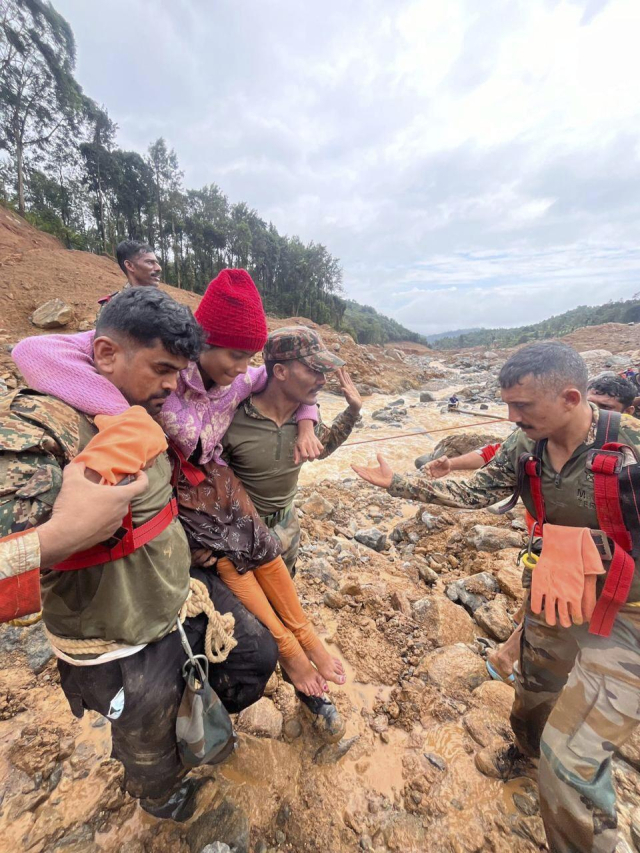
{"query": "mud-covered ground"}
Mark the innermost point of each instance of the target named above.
(376, 575)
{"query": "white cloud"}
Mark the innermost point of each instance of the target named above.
(470, 163)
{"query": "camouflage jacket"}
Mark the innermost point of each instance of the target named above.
(38, 436)
(568, 494)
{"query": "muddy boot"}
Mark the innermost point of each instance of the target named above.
(178, 805)
(504, 761)
(325, 717)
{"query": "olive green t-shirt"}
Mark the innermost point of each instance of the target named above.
(132, 600)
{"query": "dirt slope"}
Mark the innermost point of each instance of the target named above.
(35, 267)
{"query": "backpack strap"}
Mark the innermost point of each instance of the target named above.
(606, 462)
(529, 467)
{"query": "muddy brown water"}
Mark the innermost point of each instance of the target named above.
(399, 452)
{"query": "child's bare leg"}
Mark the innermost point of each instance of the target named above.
(277, 585)
(292, 658)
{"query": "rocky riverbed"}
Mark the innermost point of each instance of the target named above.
(410, 597)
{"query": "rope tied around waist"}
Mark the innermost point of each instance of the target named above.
(218, 643)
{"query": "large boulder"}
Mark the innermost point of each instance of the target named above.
(443, 623)
(488, 719)
(262, 719)
(484, 537)
(494, 619)
(463, 442)
(52, 315)
(454, 669)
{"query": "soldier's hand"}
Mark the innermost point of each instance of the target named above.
(351, 393)
(380, 476)
(307, 448)
(85, 513)
(440, 467)
(203, 557)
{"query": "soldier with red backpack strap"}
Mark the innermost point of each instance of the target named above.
(578, 678)
(110, 611)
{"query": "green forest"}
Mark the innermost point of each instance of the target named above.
(623, 311)
(61, 168)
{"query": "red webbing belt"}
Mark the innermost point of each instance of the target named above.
(134, 538)
(532, 468)
(606, 465)
(192, 473)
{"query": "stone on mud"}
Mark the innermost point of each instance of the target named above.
(52, 315)
(474, 590)
(32, 641)
(495, 620)
(484, 537)
(321, 570)
(454, 669)
(331, 753)
(372, 538)
(262, 719)
(426, 574)
(443, 622)
(224, 823)
(317, 507)
(510, 580)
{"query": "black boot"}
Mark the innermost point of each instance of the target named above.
(178, 805)
(325, 717)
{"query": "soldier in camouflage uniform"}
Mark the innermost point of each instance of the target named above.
(577, 694)
(127, 606)
(260, 447)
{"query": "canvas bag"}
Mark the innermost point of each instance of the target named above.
(204, 731)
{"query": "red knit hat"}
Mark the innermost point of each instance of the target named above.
(231, 312)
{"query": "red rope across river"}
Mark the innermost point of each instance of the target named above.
(422, 432)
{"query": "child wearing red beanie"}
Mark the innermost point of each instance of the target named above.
(215, 510)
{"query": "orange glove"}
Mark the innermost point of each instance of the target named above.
(126, 444)
(565, 575)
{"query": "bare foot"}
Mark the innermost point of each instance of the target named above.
(304, 677)
(331, 668)
(501, 664)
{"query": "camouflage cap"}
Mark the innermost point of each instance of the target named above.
(301, 344)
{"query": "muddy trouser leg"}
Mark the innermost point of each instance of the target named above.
(240, 680)
(143, 734)
(547, 655)
(596, 712)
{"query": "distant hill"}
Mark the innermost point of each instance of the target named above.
(455, 334)
(623, 311)
(366, 326)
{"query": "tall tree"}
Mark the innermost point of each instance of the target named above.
(38, 93)
(166, 175)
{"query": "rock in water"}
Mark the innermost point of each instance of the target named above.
(52, 315)
(317, 507)
(483, 537)
(330, 753)
(262, 719)
(224, 823)
(217, 847)
(372, 538)
(427, 397)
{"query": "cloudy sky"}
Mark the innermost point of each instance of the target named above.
(470, 163)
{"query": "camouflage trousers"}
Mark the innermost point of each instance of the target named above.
(286, 526)
(577, 699)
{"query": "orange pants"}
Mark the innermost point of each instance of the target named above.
(269, 593)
